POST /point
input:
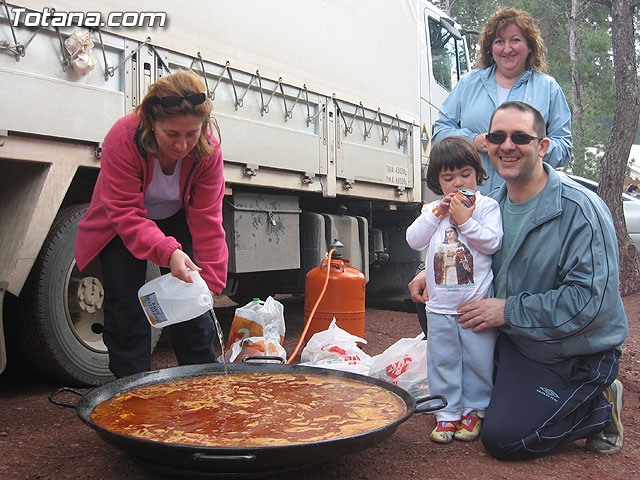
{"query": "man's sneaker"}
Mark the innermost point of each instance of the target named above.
(611, 439)
(468, 427)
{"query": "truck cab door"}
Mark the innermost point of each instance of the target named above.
(445, 59)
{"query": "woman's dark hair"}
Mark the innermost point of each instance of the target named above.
(502, 18)
(449, 153)
(182, 84)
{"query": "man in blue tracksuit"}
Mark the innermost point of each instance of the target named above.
(557, 305)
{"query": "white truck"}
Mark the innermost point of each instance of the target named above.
(325, 109)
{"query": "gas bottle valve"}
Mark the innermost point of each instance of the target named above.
(337, 245)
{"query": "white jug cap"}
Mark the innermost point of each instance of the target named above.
(206, 300)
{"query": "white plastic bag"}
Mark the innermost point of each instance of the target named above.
(337, 349)
(79, 46)
(404, 364)
(257, 329)
(255, 347)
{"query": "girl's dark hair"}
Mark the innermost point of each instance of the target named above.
(182, 83)
(449, 153)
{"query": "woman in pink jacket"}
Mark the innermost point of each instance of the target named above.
(158, 197)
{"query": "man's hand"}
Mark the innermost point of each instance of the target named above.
(486, 313)
(180, 264)
(418, 288)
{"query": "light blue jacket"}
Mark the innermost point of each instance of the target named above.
(563, 297)
(468, 108)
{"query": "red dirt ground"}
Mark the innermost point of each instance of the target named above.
(39, 440)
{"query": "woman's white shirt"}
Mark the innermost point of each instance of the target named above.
(162, 197)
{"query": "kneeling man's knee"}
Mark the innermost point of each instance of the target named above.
(503, 443)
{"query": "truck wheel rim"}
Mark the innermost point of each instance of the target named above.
(85, 295)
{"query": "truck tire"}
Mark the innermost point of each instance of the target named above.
(60, 329)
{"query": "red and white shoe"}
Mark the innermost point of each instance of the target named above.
(469, 427)
(444, 432)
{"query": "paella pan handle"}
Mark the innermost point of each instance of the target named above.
(423, 404)
(208, 458)
(52, 397)
(263, 359)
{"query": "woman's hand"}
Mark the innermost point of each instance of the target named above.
(418, 288)
(480, 143)
(180, 264)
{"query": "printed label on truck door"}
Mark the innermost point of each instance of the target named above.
(397, 175)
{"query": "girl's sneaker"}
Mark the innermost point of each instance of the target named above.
(469, 427)
(444, 432)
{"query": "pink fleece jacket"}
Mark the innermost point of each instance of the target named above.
(117, 207)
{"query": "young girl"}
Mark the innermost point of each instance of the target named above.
(459, 242)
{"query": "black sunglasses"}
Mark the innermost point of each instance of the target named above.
(176, 100)
(498, 138)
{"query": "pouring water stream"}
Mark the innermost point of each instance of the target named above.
(221, 341)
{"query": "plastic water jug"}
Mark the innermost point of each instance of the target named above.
(167, 300)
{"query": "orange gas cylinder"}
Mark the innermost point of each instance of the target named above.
(343, 298)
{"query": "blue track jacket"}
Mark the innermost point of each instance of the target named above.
(563, 297)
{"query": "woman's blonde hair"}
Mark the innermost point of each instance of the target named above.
(182, 83)
(502, 18)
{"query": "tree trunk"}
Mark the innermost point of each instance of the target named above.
(625, 123)
(576, 105)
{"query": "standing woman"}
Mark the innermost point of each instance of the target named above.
(158, 197)
(511, 66)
